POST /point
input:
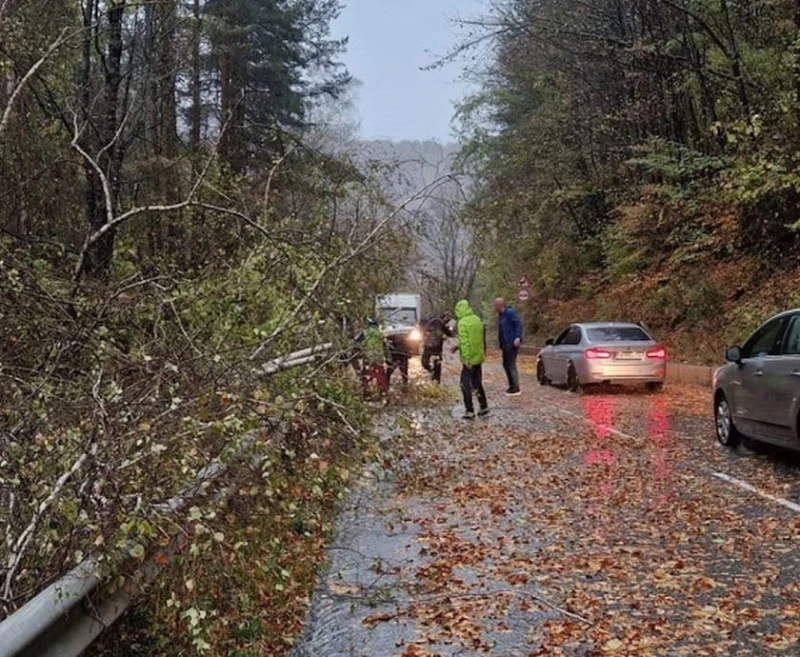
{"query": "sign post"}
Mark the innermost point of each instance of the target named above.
(523, 290)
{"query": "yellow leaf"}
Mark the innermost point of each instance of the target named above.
(373, 620)
(344, 589)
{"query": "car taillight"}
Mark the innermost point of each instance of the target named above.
(657, 353)
(594, 353)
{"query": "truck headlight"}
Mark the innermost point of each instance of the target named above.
(415, 335)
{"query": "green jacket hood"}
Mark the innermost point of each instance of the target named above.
(463, 309)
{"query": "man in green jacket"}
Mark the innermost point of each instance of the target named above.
(471, 348)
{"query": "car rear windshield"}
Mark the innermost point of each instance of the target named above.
(617, 334)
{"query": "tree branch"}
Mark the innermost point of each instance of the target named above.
(62, 39)
(24, 539)
(272, 172)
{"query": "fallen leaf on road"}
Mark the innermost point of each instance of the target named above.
(338, 588)
(372, 621)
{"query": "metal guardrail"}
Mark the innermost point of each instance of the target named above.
(65, 618)
(296, 359)
(70, 614)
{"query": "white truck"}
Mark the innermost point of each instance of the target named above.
(400, 314)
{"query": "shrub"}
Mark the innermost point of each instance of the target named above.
(703, 300)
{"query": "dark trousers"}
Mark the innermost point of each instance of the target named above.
(435, 368)
(399, 362)
(510, 366)
(472, 380)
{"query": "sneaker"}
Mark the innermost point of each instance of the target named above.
(468, 416)
(483, 412)
(513, 393)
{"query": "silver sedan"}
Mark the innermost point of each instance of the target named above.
(586, 354)
(757, 394)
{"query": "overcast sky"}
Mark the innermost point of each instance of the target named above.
(390, 40)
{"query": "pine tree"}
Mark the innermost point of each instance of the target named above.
(265, 54)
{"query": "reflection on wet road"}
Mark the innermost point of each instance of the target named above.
(575, 525)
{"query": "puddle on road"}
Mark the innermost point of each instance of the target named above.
(606, 451)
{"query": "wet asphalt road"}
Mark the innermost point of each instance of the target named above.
(602, 524)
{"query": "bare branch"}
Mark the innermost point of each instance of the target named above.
(112, 221)
(272, 172)
(33, 70)
(24, 539)
(78, 132)
(5, 8)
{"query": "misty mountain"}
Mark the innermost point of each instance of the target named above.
(424, 175)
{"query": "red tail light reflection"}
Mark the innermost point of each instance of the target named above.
(600, 413)
(658, 422)
(658, 433)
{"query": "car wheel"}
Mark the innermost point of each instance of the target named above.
(573, 382)
(657, 386)
(541, 376)
(727, 433)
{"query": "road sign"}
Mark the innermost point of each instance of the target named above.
(523, 282)
(523, 295)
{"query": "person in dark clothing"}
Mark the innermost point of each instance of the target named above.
(436, 330)
(509, 333)
(398, 355)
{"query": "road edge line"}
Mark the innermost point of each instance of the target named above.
(752, 489)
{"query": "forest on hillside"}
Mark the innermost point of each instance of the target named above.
(638, 159)
(178, 209)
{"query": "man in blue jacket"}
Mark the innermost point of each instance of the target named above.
(509, 331)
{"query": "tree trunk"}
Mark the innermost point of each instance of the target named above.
(168, 111)
(93, 190)
(107, 146)
(232, 117)
(232, 75)
(225, 104)
(736, 58)
(797, 63)
(6, 7)
(161, 119)
(197, 97)
(707, 114)
(164, 76)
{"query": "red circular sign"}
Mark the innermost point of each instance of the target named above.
(523, 295)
